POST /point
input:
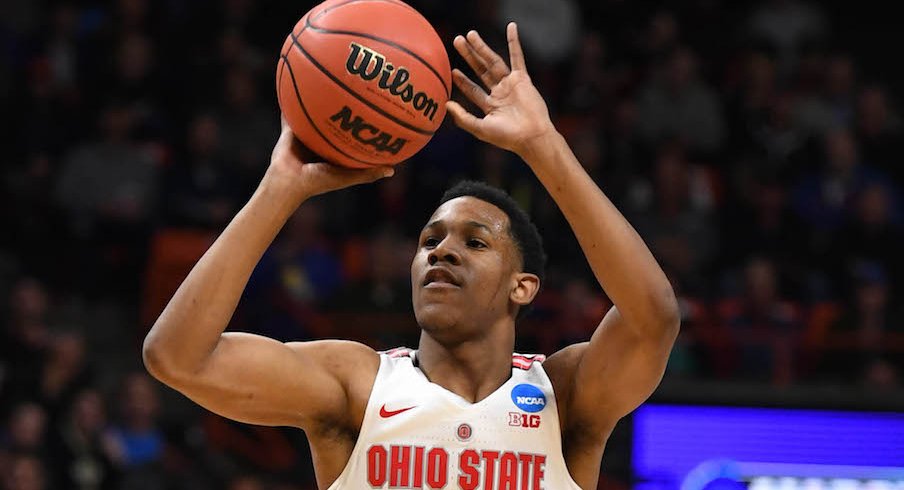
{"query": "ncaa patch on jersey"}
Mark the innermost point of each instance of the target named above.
(528, 398)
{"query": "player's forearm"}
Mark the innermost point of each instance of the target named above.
(619, 258)
(190, 326)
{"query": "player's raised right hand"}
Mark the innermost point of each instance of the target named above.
(292, 171)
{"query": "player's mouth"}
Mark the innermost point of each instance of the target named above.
(440, 277)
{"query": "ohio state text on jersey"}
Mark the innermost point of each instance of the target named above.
(417, 434)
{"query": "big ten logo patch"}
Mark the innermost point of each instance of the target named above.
(528, 421)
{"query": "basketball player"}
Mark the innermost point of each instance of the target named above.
(462, 411)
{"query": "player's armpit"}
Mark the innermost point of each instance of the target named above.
(605, 379)
(262, 381)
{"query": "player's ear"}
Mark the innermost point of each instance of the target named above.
(526, 287)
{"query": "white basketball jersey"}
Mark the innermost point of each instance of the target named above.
(417, 434)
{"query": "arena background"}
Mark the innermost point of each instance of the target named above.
(756, 146)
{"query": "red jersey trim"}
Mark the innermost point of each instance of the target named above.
(524, 361)
(398, 352)
(521, 361)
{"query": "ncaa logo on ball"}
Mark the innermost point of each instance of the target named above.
(528, 398)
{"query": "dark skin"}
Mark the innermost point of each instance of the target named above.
(468, 285)
(463, 324)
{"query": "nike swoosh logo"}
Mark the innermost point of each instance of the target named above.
(391, 413)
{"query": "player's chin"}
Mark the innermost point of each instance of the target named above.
(435, 315)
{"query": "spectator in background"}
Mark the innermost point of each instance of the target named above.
(64, 373)
(787, 26)
(248, 128)
(586, 143)
(748, 104)
(246, 482)
(777, 141)
(26, 430)
(761, 328)
(881, 374)
(661, 38)
(860, 337)
(676, 102)
(623, 149)
(581, 308)
(872, 232)
(108, 187)
(137, 16)
(825, 197)
(673, 215)
(690, 357)
(81, 452)
(384, 284)
(763, 224)
(62, 49)
(299, 272)
(202, 186)
(832, 107)
(137, 81)
(49, 113)
(25, 472)
(264, 450)
(25, 340)
(879, 131)
(32, 220)
(550, 29)
(136, 441)
(593, 82)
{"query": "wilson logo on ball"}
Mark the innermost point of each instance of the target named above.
(366, 133)
(369, 64)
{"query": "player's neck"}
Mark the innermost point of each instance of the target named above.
(472, 369)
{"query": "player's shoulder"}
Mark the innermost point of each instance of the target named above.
(339, 355)
(561, 367)
(333, 346)
(566, 360)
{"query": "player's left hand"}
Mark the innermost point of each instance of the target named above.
(515, 114)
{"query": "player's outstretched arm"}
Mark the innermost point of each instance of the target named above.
(600, 381)
(248, 377)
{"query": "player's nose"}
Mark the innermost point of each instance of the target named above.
(444, 251)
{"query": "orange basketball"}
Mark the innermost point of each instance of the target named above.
(363, 82)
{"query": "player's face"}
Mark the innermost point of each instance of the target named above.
(465, 268)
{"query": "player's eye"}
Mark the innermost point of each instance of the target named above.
(431, 242)
(474, 243)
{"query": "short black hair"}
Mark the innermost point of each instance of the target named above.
(521, 228)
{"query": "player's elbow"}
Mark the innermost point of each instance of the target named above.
(153, 358)
(158, 360)
(668, 314)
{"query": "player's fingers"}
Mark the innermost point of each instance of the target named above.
(286, 144)
(464, 119)
(344, 177)
(475, 93)
(516, 55)
(284, 130)
(283, 124)
(496, 67)
(471, 57)
(379, 173)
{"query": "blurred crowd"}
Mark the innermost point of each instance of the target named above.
(755, 145)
